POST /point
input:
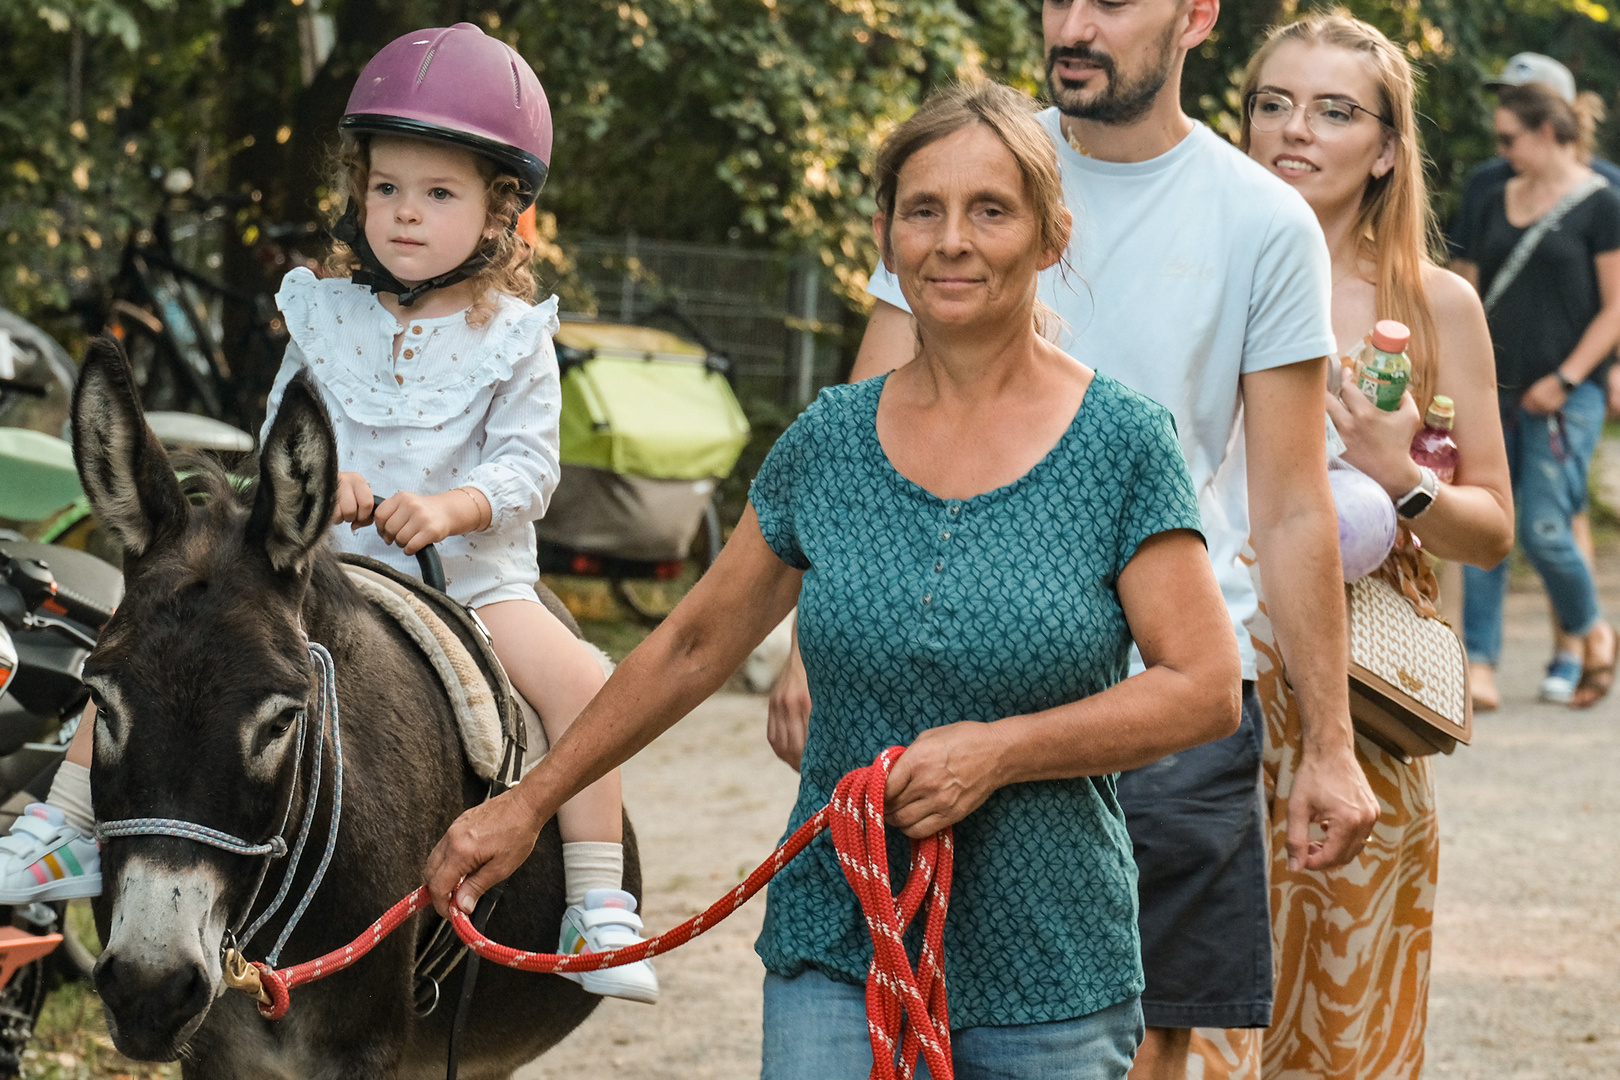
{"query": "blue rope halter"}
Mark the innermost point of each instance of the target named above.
(274, 848)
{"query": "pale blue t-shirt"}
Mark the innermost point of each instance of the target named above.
(1189, 271)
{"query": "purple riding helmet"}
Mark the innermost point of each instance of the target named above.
(457, 85)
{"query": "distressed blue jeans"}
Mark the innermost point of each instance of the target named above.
(815, 1029)
(1547, 462)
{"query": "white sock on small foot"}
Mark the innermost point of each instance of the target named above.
(587, 865)
(70, 793)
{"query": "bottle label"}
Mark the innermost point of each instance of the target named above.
(1383, 388)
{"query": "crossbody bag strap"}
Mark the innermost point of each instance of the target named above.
(1527, 243)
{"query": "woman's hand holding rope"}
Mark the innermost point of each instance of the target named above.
(485, 845)
(944, 776)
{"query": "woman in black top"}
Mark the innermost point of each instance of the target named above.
(1554, 314)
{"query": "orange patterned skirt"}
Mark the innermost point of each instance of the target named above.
(1351, 946)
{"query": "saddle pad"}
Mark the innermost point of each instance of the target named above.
(477, 715)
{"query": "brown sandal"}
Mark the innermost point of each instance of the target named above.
(1597, 680)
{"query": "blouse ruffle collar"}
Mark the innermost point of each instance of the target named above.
(345, 334)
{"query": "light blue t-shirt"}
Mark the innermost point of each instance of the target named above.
(916, 612)
(1188, 271)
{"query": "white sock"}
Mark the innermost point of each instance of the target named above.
(70, 793)
(590, 865)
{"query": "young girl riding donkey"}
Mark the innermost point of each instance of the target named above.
(443, 390)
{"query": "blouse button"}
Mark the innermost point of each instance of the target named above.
(946, 535)
(939, 566)
(928, 598)
(409, 354)
(416, 329)
(954, 510)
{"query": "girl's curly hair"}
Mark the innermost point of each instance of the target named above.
(510, 266)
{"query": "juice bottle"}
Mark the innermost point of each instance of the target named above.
(1382, 367)
(1434, 446)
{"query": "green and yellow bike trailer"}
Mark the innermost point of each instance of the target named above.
(649, 428)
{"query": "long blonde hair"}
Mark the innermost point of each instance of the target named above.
(511, 258)
(1395, 228)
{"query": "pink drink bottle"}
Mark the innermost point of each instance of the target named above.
(1434, 446)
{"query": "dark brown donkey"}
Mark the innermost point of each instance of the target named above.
(199, 680)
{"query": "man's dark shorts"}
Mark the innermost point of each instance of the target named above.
(1198, 825)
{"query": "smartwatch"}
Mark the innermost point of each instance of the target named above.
(1420, 498)
(1565, 381)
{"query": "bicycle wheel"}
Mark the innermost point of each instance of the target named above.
(650, 601)
(20, 1003)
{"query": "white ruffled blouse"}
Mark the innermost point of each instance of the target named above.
(462, 406)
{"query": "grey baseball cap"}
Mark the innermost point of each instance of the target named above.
(1529, 67)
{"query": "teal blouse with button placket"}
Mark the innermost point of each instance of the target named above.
(916, 612)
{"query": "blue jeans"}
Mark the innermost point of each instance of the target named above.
(815, 1029)
(1547, 463)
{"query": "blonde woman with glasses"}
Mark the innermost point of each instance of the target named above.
(1329, 109)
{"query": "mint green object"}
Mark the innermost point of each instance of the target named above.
(644, 404)
(65, 521)
(37, 475)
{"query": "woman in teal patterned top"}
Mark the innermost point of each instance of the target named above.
(973, 542)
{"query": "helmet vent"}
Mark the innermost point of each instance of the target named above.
(517, 87)
(421, 73)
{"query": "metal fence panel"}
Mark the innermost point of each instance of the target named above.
(776, 318)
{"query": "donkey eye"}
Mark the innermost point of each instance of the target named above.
(276, 730)
(284, 722)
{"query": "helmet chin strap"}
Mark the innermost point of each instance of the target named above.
(374, 275)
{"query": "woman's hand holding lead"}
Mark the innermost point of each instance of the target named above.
(1378, 443)
(944, 775)
(485, 845)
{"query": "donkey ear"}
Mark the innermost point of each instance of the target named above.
(122, 466)
(298, 478)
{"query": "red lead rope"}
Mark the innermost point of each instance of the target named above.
(905, 1008)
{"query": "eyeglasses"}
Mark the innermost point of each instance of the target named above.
(1326, 117)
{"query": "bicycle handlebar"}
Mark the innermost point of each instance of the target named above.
(427, 559)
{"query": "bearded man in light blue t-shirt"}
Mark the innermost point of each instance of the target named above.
(1201, 280)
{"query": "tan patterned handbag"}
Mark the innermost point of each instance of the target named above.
(1408, 673)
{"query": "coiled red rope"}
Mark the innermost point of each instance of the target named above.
(905, 1007)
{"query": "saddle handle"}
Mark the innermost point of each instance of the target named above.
(427, 559)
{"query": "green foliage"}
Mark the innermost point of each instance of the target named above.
(95, 91)
(712, 120)
(748, 121)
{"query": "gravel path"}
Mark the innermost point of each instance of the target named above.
(1527, 939)
(1527, 929)
(709, 801)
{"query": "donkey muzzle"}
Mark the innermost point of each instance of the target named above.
(160, 970)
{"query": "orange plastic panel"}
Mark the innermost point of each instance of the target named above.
(18, 947)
